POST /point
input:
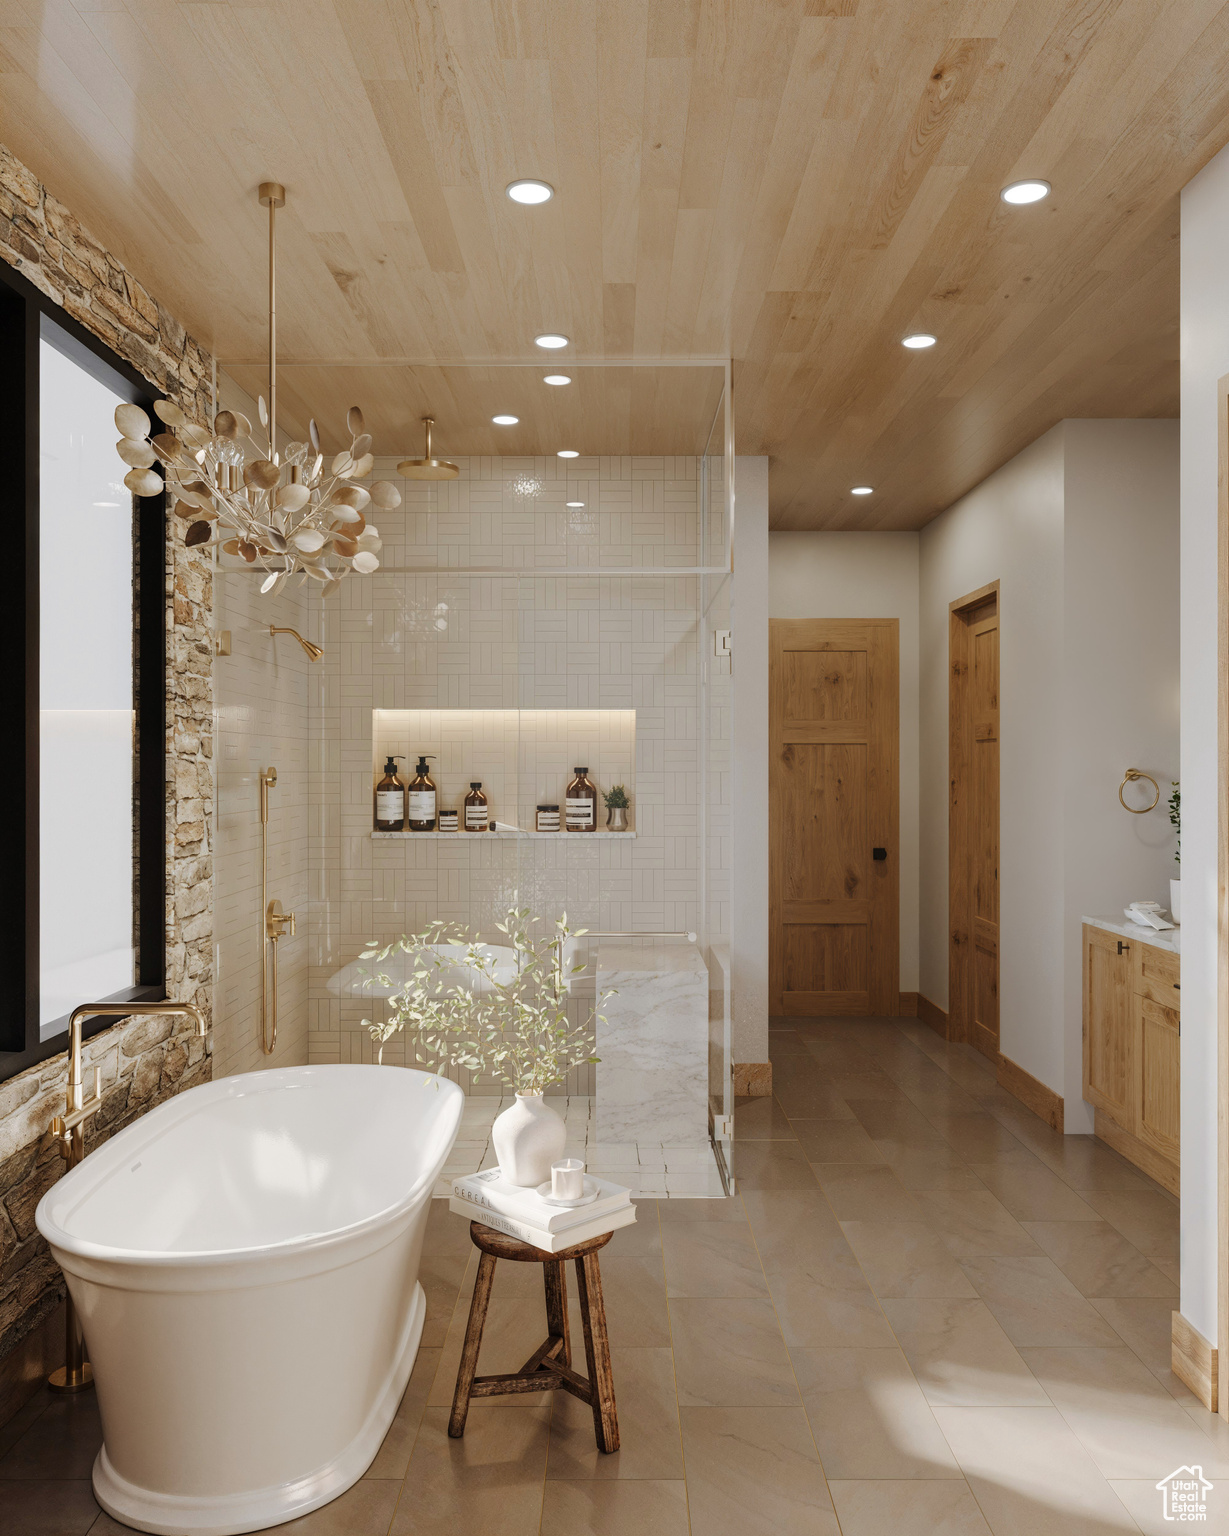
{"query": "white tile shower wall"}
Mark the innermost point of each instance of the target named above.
(262, 694)
(513, 636)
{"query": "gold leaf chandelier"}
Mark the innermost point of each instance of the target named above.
(286, 514)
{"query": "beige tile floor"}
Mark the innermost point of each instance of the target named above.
(922, 1313)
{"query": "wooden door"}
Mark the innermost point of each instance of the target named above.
(834, 811)
(973, 1002)
(1110, 1065)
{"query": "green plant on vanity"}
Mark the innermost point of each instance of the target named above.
(516, 1030)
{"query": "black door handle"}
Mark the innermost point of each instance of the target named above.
(879, 853)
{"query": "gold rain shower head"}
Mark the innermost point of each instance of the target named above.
(428, 468)
(314, 652)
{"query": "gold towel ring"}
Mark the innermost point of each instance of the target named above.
(1129, 777)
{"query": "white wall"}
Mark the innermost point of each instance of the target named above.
(1205, 359)
(1081, 531)
(749, 886)
(1009, 529)
(866, 576)
(1121, 686)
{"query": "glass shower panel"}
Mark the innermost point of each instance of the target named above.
(533, 617)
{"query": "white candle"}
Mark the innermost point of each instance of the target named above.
(567, 1179)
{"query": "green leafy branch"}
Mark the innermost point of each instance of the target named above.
(517, 1029)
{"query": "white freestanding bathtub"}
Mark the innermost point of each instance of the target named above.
(244, 1262)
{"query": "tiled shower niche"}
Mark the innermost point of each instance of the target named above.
(523, 757)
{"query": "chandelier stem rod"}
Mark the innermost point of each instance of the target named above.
(272, 328)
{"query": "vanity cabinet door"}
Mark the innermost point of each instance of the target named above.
(1159, 1075)
(1109, 1026)
(1157, 975)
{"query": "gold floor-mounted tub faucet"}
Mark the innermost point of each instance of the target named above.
(69, 1131)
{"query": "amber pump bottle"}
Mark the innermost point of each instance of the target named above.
(390, 800)
(477, 812)
(580, 805)
(420, 798)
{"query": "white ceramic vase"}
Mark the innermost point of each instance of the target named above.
(529, 1136)
(1175, 900)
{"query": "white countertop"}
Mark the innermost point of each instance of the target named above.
(1169, 938)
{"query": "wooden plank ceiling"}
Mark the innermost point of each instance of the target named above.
(793, 183)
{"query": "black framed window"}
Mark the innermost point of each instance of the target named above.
(82, 688)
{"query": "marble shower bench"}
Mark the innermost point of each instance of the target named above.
(652, 1077)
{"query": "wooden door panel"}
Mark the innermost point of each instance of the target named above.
(831, 958)
(822, 792)
(973, 990)
(1109, 1028)
(823, 685)
(1160, 1050)
(834, 799)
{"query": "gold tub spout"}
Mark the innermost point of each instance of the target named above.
(75, 1375)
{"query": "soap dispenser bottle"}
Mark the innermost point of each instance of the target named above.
(477, 812)
(580, 806)
(390, 799)
(420, 798)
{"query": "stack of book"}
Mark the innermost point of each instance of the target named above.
(523, 1213)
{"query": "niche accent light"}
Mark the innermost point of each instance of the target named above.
(919, 341)
(557, 378)
(1025, 192)
(862, 490)
(551, 341)
(505, 421)
(530, 191)
(567, 453)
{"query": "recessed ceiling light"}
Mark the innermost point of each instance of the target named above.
(918, 341)
(505, 421)
(574, 503)
(567, 453)
(1025, 192)
(862, 490)
(530, 191)
(556, 378)
(551, 340)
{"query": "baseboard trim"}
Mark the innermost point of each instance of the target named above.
(907, 1006)
(753, 1079)
(1145, 1158)
(1193, 1361)
(1044, 1102)
(932, 1015)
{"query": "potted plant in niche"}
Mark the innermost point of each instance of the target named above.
(506, 1020)
(1175, 821)
(616, 809)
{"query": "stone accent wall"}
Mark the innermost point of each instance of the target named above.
(148, 1060)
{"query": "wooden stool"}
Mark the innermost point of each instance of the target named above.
(550, 1365)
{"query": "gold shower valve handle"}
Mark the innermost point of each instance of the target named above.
(278, 924)
(63, 1126)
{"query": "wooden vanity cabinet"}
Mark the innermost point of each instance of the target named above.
(1132, 1050)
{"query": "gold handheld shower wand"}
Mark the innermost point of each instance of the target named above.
(314, 652)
